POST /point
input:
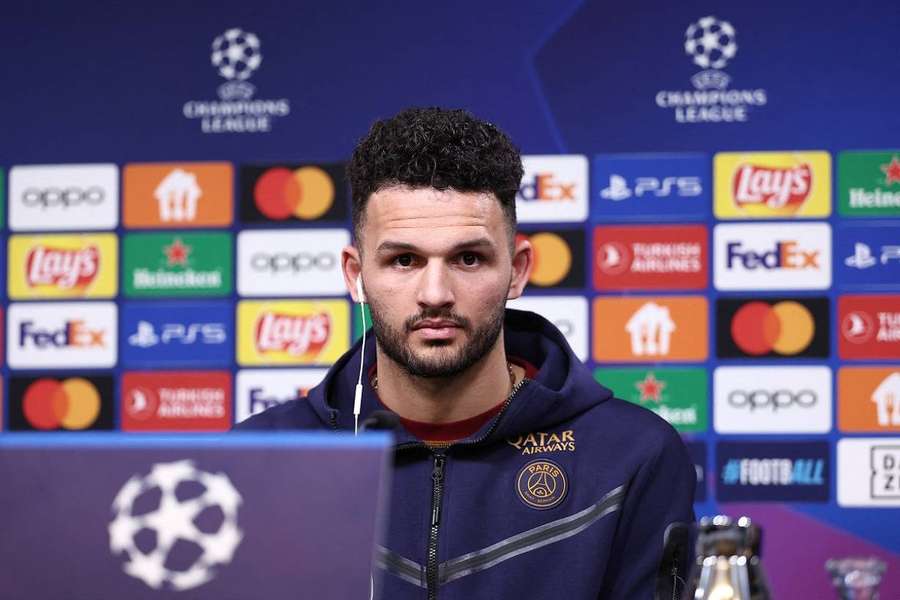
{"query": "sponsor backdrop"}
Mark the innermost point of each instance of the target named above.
(715, 233)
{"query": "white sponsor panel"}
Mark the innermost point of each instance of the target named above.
(61, 335)
(772, 399)
(868, 472)
(63, 197)
(568, 313)
(294, 262)
(554, 189)
(772, 256)
(259, 389)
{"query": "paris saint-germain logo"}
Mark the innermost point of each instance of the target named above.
(542, 484)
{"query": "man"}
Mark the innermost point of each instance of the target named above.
(516, 475)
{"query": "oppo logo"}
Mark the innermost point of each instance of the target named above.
(778, 399)
(301, 261)
(65, 197)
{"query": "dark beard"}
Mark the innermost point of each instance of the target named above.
(393, 342)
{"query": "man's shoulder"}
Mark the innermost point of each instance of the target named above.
(621, 421)
(294, 414)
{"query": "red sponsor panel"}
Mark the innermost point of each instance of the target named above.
(176, 401)
(650, 257)
(869, 326)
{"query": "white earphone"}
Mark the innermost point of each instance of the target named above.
(357, 394)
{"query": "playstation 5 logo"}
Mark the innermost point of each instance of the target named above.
(863, 258)
(682, 187)
(204, 333)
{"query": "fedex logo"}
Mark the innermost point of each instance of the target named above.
(544, 186)
(72, 333)
(772, 256)
(62, 335)
(260, 389)
(784, 255)
(554, 189)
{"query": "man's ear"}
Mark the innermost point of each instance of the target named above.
(522, 263)
(351, 266)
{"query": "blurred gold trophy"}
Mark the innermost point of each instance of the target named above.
(856, 578)
(728, 561)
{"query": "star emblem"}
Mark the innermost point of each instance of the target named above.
(650, 388)
(891, 171)
(176, 253)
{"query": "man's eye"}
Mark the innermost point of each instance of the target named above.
(404, 260)
(470, 259)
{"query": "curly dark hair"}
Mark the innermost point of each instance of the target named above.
(438, 148)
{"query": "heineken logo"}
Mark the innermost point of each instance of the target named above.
(869, 183)
(188, 264)
(677, 395)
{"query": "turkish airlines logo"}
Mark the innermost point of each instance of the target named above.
(57, 197)
(772, 256)
(772, 328)
(650, 329)
(176, 401)
(650, 257)
(291, 262)
(870, 326)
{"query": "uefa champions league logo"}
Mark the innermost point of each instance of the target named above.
(711, 44)
(157, 523)
(236, 55)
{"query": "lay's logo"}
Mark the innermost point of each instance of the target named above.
(301, 336)
(64, 266)
(772, 184)
(283, 332)
(61, 267)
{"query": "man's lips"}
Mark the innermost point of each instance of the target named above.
(436, 329)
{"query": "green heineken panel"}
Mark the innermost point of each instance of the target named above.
(869, 184)
(677, 395)
(177, 264)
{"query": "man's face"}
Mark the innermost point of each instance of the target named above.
(437, 271)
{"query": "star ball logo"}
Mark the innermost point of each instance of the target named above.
(711, 43)
(64, 403)
(558, 258)
(772, 327)
(294, 193)
(236, 55)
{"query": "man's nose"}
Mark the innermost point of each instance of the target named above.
(434, 286)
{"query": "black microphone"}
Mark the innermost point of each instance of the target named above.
(380, 420)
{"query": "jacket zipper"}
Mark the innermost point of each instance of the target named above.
(437, 492)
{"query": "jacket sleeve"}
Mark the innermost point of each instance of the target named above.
(660, 493)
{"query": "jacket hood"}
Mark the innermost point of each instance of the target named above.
(562, 388)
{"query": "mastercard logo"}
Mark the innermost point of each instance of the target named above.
(555, 262)
(786, 328)
(72, 403)
(305, 193)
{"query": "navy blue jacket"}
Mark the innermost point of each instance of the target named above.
(566, 493)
